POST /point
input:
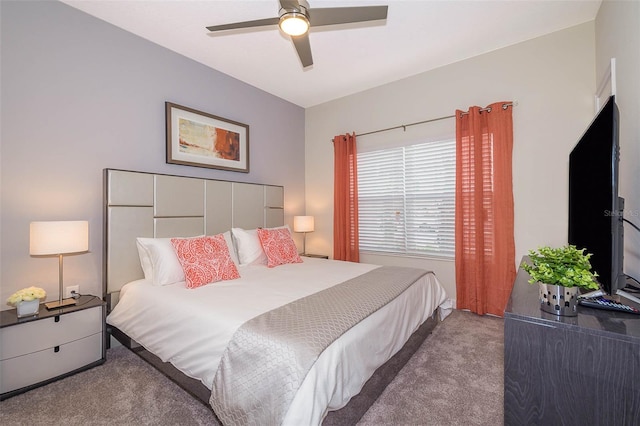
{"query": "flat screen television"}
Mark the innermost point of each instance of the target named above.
(595, 209)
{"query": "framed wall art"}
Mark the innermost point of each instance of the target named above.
(195, 138)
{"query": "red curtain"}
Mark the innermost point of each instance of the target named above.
(485, 248)
(345, 199)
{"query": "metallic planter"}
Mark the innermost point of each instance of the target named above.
(559, 300)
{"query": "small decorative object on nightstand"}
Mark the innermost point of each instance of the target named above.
(26, 308)
(27, 301)
(37, 350)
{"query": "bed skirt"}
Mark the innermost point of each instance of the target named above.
(348, 415)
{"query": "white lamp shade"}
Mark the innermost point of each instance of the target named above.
(58, 237)
(303, 223)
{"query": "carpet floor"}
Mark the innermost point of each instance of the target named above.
(455, 378)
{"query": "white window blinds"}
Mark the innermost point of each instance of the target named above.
(406, 199)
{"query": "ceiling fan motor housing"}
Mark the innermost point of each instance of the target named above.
(294, 19)
(301, 8)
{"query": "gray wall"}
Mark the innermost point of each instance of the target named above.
(618, 36)
(553, 80)
(80, 95)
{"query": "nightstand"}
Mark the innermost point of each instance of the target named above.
(54, 344)
(317, 256)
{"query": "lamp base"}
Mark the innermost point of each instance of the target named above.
(60, 304)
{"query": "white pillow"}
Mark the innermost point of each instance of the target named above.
(248, 246)
(159, 261)
(250, 250)
(232, 247)
(145, 260)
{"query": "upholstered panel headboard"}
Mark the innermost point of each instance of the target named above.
(139, 204)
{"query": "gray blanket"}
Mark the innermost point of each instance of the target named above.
(269, 356)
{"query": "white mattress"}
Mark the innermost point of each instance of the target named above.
(191, 327)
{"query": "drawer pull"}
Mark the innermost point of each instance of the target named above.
(56, 349)
(57, 318)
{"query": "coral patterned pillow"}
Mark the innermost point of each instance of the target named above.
(278, 246)
(205, 260)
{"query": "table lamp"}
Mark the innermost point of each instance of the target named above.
(58, 238)
(303, 224)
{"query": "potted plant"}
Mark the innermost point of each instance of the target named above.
(560, 272)
(27, 300)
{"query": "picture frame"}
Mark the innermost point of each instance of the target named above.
(199, 139)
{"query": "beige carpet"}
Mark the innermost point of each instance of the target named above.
(455, 378)
(124, 390)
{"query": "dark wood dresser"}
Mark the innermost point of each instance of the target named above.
(582, 370)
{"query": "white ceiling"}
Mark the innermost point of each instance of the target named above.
(418, 35)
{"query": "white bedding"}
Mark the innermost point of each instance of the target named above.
(191, 327)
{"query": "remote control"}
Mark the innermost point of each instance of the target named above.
(610, 305)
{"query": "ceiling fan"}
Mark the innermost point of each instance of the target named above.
(296, 17)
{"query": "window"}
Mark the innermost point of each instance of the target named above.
(406, 199)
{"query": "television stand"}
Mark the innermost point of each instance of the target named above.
(580, 370)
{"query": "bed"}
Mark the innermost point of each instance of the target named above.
(192, 328)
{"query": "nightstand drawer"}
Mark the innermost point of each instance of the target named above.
(18, 372)
(35, 336)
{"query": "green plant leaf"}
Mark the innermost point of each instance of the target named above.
(566, 266)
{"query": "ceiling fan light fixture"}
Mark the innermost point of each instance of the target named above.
(294, 20)
(294, 23)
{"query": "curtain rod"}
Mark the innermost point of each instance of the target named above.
(404, 126)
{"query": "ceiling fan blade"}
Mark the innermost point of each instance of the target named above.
(303, 47)
(345, 15)
(246, 24)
